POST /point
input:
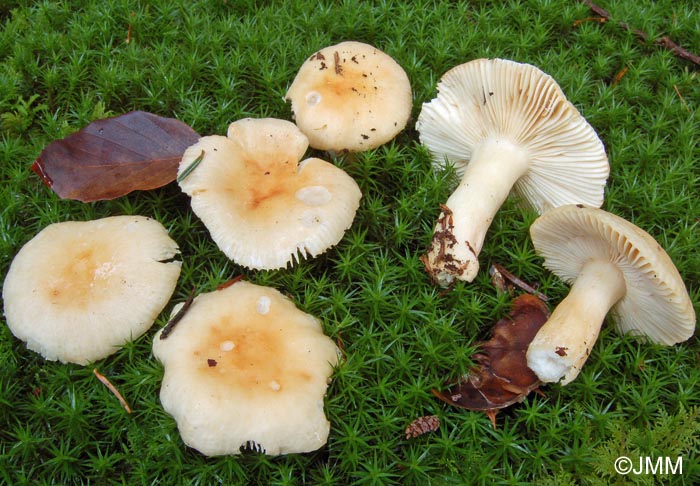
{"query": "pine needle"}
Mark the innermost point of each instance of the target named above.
(112, 388)
(190, 168)
(680, 96)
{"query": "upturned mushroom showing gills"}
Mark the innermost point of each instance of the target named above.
(504, 126)
(262, 206)
(350, 96)
(615, 267)
(79, 290)
(244, 365)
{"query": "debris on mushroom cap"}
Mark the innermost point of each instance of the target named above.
(504, 126)
(614, 266)
(264, 208)
(350, 96)
(78, 290)
(245, 365)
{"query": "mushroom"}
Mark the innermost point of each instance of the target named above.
(615, 267)
(504, 126)
(350, 96)
(244, 365)
(263, 207)
(78, 290)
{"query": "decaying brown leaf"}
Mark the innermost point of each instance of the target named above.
(115, 156)
(501, 376)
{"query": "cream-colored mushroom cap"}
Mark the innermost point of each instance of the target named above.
(613, 266)
(263, 208)
(656, 303)
(79, 290)
(506, 127)
(246, 365)
(350, 96)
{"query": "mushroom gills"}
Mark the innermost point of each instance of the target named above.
(506, 127)
(613, 266)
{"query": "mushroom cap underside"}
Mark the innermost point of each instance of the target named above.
(656, 303)
(244, 364)
(78, 290)
(350, 96)
(497, 100)
(263, 208)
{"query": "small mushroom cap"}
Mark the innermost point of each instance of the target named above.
(244, 364)
(263, 207)
(656, 303)
(78, 290)
(350, 96)
(499, 100)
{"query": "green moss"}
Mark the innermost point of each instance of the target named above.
(64, 64)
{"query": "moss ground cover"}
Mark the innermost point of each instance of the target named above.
(64, 64)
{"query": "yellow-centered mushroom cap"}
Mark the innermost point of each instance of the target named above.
(350, 96)
(263, 208)
(245, 365)
(79, 290)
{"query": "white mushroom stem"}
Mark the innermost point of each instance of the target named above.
(495, 166)
(563, 344)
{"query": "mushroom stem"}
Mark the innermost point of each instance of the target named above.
(563, 344)
(495, 166)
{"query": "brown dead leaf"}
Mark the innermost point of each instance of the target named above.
(115, 156)
(501, 376)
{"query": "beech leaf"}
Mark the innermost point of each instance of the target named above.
(501, 377)
(114, 156)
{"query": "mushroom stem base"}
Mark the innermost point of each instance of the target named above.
(446, 260)
(562, 346)
(496, 164)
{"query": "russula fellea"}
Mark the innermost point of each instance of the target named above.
(262, 207)
(350, 96)
(504, 126)
(244, 364)
(78, 290)
(615, 267)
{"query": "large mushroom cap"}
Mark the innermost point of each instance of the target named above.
(263, 207)
(244, 364)
(78, 290)
(350, 96)
(656, 303)
(490, 103)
